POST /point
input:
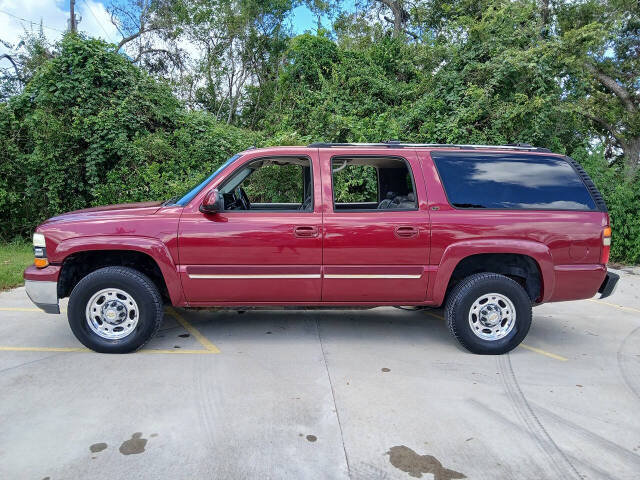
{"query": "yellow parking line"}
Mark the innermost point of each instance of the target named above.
(19, 309)
(82, 349)
(193, 331)
(435, 315)
(523, 345)
(209, 348)
(44, 349)
(614, 305)
(25, 309)
(190, 352)
(544, 352)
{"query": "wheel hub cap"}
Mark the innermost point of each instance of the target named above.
(492, 316)
(112, 313)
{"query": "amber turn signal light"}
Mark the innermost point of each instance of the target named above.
(606, 236)
(40, 262)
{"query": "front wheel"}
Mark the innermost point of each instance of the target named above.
(115, 310)
(488, 313)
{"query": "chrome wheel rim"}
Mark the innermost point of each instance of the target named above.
(492, 316)
(112, 313)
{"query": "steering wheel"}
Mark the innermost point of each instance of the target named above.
(244, 199)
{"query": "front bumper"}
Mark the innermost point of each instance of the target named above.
(608, 284)
(43, 294)
(42, 287)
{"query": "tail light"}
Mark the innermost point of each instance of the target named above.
(606, 245)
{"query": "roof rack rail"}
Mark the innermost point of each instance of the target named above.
(399, 144)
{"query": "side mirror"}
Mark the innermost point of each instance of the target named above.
(212, 203)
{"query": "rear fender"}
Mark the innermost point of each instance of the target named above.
(455, 252)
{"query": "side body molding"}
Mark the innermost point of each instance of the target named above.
(459, 250)
(153, 247)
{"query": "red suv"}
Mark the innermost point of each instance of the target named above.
(486, 231)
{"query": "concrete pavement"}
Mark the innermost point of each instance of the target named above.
(376, 394)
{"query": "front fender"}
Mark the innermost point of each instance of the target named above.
(153, 247)
(455, 252)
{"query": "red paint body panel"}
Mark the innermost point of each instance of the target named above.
(575, 282)
(356, 258)
(368, 240)
(248, 239)
(46, 274)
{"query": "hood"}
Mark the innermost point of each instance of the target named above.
(120, 209)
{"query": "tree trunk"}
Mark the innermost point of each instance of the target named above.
(72, 16)
(632, 157)
(400, 16)
(544, 12)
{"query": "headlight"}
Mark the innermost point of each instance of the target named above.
(39, 251)
(38, 240)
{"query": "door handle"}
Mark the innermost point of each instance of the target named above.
(305, 231)
(406, 232)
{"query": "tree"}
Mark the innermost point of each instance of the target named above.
(242, 43)
(600, 42)
(30, 53)
(150, 31)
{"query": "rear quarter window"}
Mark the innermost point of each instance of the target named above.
(511, 181)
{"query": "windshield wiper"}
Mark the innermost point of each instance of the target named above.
(171, 201)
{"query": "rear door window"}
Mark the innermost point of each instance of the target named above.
(511, 181)
(372, 183)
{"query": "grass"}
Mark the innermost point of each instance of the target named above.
(14, 258)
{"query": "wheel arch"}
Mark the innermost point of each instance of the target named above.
(84, 255)
(514, 258)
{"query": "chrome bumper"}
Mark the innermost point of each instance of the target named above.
(43, 294)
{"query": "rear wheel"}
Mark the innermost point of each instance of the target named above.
(488, 313)
(115, 310)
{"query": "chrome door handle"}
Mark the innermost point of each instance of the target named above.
(305, 231)
(406, 232)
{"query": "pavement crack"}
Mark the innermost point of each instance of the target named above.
(333, 395)
(13, 367)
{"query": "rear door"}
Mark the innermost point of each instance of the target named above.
(376, 227)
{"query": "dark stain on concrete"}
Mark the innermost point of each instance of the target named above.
(153, 435)
(184, 335)
(312, 438)
(405, 459)
(97, 447)
(385, 369)
(134, 445)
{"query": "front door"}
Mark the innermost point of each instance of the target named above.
(376, 227)
(266, 245)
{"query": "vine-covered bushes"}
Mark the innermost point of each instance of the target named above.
(623, 201)
(90, 128)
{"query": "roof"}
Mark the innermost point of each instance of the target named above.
(397, 144)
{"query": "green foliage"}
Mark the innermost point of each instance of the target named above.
(623, 202)
(14, 258)
(163, 163)
(91, 128)
(275, 184)
(355, 183)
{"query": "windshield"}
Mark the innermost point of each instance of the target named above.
(185, 198)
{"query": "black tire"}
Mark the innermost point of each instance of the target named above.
(461, 300)
(138, 286)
